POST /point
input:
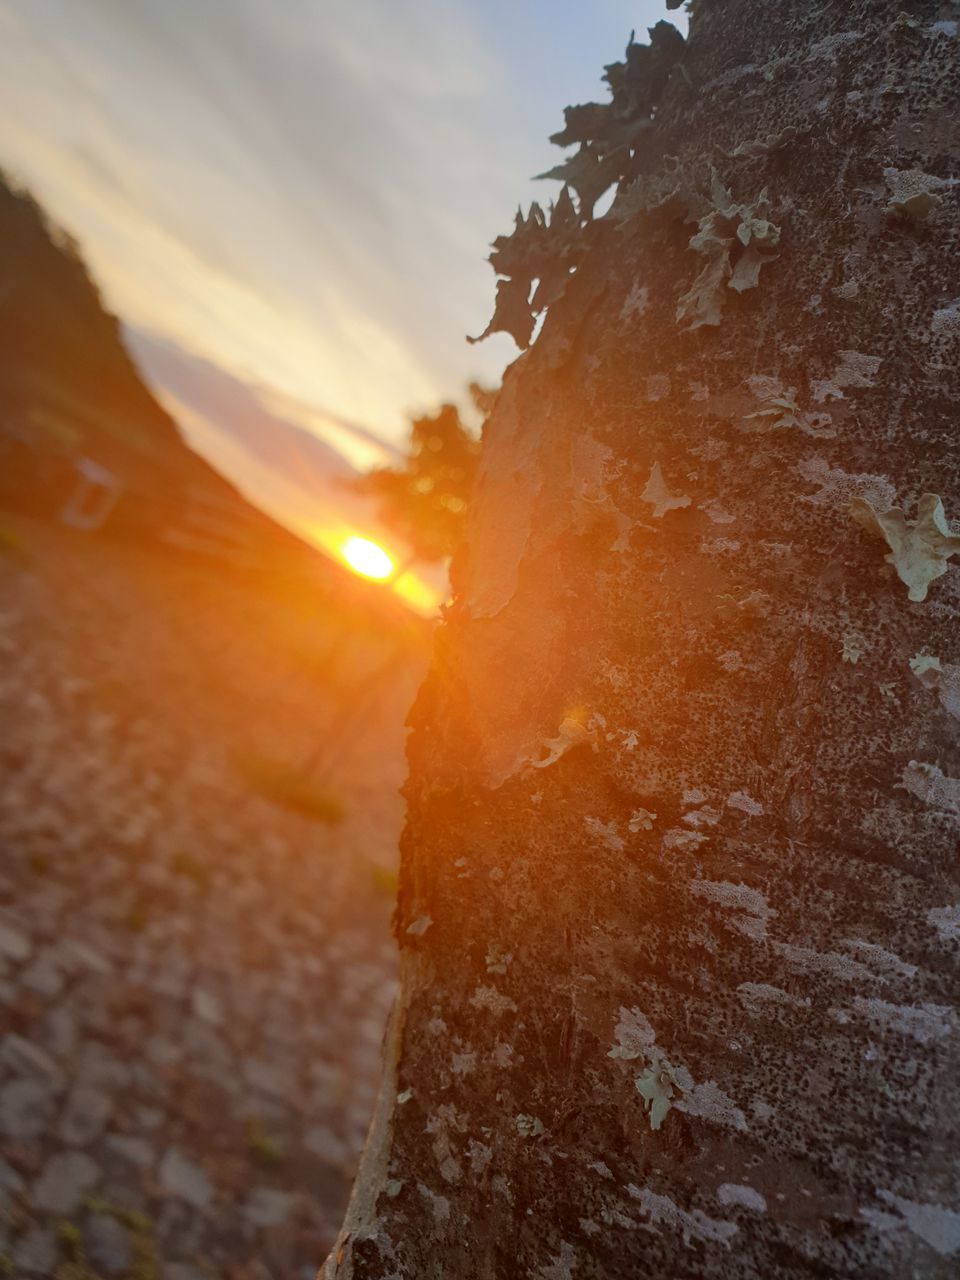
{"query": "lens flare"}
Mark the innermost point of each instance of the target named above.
(366, 558)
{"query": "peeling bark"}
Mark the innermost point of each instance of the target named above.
(687, 1005)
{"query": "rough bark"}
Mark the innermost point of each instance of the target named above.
(679, 902)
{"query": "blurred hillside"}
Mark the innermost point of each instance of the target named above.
(82, 438)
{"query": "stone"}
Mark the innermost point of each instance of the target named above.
(44, 978)
(162, 1051)
(148, 1117)
(95, 1065)
(24, 1058)
(65, 1181)
(266, 1207)
(10, 1180)
(321, 1142)
(185, 1180)
(201, 1041)
(170, 982)
(135, 1150)
(26, 1108)
(108, 1245)
(180, 1231)
(14, 944)
(267, 1077)
(61, 1030)
(36, 1253)
(148, 1084)
(206, 1006)
(85, 1115)
(10, 1184)
(80, 955)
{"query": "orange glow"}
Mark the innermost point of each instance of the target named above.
(420, 593)
(366, 558)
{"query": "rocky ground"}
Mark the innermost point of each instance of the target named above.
(193, 980)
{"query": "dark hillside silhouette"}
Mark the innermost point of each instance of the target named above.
(59, 344)
(76, 417)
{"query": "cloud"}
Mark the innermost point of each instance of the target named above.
(240, 410)
(301, 193)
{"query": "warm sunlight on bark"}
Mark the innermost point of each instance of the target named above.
(366, 558)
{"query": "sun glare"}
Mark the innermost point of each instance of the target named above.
(366, 558)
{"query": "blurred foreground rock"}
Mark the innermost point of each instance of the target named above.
(193, 981)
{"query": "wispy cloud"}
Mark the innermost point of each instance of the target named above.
(300, 193)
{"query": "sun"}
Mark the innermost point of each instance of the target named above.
(366, 558)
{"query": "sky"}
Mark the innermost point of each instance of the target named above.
(296, 198)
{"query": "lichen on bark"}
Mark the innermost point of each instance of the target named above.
(754, 858)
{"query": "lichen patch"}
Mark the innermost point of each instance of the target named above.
(743, 1197)
(634, 1035)
(755, 910)
(946, 921)
(930, 784)
(660, 497)
(938, 1226)
(919, 552)
(913, 193)
(693, 1225)
(853, 370)
(658, 1087)
(572, 733)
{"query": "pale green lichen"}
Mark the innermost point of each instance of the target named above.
(930, 784)
(634, 1035)
(919, 552)
(745, 803)
(913, 193)
(493, 1001)
(606, 833)
(924, 1023)
(936, 1225)
(497, 960)
(641, 820)
(781, 411)
(753, 911)
(854, 370)
(677, 838)
(529, 1126)
(707, 1101)
(419, 926)
(943, 677)
(572, 733)
(692, 1224)
(658, 1087)
(736, 241)
(853, 647)
(741, 1196)
(765, 146)
(946, 921)
(659, 496)
(756, 604)
(926, 667)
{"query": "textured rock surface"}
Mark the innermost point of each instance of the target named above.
(687, 1005)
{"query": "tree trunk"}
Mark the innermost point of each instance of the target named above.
(679, 909)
